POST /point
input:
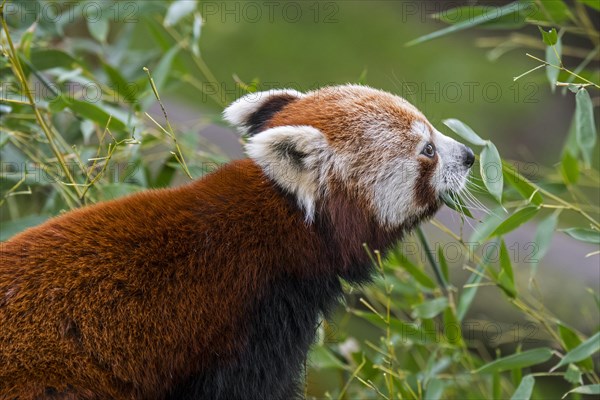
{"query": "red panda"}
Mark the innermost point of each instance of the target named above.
(213, 290)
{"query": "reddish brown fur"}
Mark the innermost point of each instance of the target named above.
(167, 304)
(338, 113)
(176, 270)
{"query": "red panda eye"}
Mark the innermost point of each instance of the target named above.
(429, 150)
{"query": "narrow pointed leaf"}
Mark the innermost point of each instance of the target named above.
(584, 235)
(585, 125)
(543, 239)
(464, 131)
(588, 389)
(469, 23)
(520, 360)
(515, 221)
(581, 352)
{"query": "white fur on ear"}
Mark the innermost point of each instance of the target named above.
(293, 157)
(239, 112)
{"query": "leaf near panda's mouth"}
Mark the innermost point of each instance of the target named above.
(454, 201)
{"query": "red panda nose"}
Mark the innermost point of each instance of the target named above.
(468, 157)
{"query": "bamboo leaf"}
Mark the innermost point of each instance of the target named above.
(526, 189)
(584, 235)
(573, 375)
(520, 360)
(543, 239)
(469, 23)
(570, 340)
(430, 309)
(464, 131)
(588, 389)
(584, 125)
(98, 28)
(525, 388)
(506, 277)
(491, 170)
(515, 221)
(581, 352)
(178, 10)
(549, 37)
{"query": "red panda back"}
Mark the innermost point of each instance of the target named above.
(159, 279)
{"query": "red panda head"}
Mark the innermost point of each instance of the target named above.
(377, 146)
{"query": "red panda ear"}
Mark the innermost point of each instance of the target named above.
(294, 157)
(252, 112)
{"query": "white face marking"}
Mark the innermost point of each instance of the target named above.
(420, 129)
(384, 169)
(274, 149)
(451, 173)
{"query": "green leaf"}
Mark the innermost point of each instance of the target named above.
(435, 389)
(119, 84)
(178, 10)
(96, 114)
(555, 12)
(520, 360)
(27, 39)
(457, 15)
(321, 357)
(430, 309)
(490, 166)
(471, 22)
(573, 375)
(524, 187)
(515, 221)
(543, 238)
(11, 228)
(581, 352)
(584, 125)
(443, 264)
(457, 205)
(553, 56)
(98, 28)
(595, 4)
(549, 37)
(464, 131)
(506, 278)
(570, 340)
(525, 388)
(569, 168)
(45, 59)
(588, 389)
(58, 104)
(196, 34)
(416, 272)
(584, 235)
(496, 386)
(452, 328)
(487, 226)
